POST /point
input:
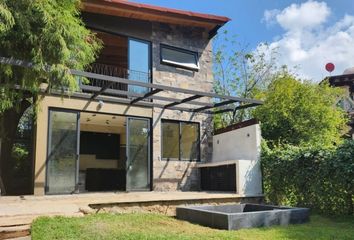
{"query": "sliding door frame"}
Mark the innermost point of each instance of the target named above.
(58, 109)
(150, 151)
(49, 141)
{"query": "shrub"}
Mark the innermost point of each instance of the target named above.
(318, 177)
(301, 113)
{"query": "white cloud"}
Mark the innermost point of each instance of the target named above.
(308, 42)
(269, 16)
(307, 15)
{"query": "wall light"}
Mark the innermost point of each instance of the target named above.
(100, 104)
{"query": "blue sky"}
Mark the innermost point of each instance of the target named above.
(321, 24)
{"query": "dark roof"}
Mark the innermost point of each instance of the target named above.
(341, 80)
(148, 12)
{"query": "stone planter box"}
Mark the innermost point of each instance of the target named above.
(234, 217)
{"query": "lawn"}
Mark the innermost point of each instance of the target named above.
(153, 226)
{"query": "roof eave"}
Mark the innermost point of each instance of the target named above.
(152, 13)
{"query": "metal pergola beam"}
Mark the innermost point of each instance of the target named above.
(96, 92)
(153, 92)
(123, 101)
(223, 110)
(158, 86)
(235, 109)
(136, 95)
(215, 105)
(185, 100)
(104, 88)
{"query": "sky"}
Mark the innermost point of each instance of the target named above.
(306, 34)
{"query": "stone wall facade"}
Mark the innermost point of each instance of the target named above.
(170, 175)
(181, 175)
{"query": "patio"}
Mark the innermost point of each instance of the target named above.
(23, 209)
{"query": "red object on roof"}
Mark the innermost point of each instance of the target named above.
(154, 13)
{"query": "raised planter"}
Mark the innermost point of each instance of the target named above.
(234, 217)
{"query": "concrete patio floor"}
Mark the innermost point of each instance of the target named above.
(17, 213)
(13, 209)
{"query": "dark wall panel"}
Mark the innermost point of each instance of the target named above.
(219, 178)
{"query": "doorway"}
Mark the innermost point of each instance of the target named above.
(94, 152)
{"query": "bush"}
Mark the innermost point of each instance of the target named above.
(318, 177)
(301, 113)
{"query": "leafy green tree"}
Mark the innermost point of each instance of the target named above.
(300, 113)
(49, 34)
(240, 72)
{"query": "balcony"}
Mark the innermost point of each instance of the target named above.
(115, 71)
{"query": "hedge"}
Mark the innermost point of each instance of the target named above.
(317, 177)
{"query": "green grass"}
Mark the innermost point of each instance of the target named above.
(153, 226)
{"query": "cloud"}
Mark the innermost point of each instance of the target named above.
(270, 16)
(309, 42)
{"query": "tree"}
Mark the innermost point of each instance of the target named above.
(49, 34)
(240, 72)
(298, 113)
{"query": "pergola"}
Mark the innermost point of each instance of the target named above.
(221, 102)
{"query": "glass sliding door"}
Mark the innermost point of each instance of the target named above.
(62, 158)
(138, 154)
(139, 63)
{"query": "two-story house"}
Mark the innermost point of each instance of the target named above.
(144, 119)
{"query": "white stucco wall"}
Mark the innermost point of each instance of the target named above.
(241, 147)
(249, 177)
(242, 143)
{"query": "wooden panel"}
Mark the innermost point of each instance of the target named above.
(114, 11)
(115, 50)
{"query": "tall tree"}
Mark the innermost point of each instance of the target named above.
(240, 72)
(49, 34)
(300, 112)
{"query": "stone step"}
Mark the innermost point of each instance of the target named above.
(12, 232)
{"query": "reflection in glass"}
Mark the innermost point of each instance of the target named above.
(181, 58)
(180, 140)
(170, 140)
(62, 152)
(189, 141)
(139, 64)
(138, 154)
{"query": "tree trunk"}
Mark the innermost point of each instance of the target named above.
(9, 122)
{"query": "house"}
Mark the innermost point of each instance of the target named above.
(143, 121)
(346, 81)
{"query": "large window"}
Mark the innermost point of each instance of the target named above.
(180, 140)
(179, 57)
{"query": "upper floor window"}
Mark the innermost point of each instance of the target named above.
(179, 57)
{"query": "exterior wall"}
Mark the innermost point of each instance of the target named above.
(179, 175)
(74, 104)
(242, 143)
(167, 175)
(241, 147)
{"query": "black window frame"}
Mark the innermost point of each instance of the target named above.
(196, 56)
(198, 159)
